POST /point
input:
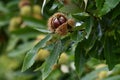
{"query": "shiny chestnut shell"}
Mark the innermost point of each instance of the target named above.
(62, 19)
(57, 21)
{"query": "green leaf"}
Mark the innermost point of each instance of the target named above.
(77, 36)
(21, 49)
(52, 59)
(36, 24)
(89, 43)
(115, 12)
(3, 8)
(71, 8)
(12, 43)
(99, 4)
(81, 16)
(27, 31)
(13, 5)
(3, 20)
(31, 55)
(89, 25)
(116, 77)
(108, 5)
(66, 43)
(108, 53)
(80, 58)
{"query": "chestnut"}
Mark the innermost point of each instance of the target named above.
(59, 24)
(62, 19)
(55, 23)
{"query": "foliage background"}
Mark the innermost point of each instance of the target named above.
(95, 41)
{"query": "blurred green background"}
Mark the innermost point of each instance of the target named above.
(22, 25)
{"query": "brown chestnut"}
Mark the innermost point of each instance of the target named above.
(59, 24)
(55, 23)
(62, 19)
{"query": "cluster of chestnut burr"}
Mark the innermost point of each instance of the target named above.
(59, 24)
